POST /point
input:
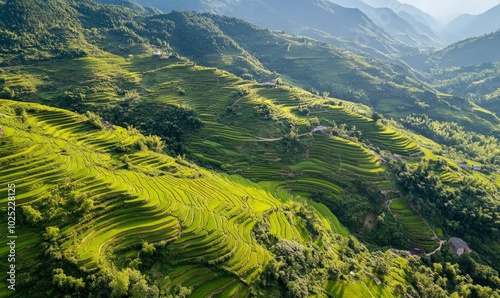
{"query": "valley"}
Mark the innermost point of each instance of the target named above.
(198, 155)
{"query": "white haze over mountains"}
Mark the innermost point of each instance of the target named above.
(446, 10)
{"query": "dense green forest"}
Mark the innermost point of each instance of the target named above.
(179, 174)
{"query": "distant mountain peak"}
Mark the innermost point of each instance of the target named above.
(467, 25)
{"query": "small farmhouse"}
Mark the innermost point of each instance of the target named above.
(463, 165)
(477, 168)
(157, 53)
(319, 128)
(459, 246)
(107, 125)
(376, 280)
(269, 84)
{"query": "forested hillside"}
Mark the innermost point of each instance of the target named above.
(320, 19)
(179, 155)
(468, 68)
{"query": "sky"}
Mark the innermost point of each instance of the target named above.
(445, 10)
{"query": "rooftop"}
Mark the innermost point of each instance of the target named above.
(458, 243)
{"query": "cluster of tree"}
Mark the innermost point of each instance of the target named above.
(346, 92)
(458, 142)
(190, 28)
(464, 80)
(32, 30)
(352, 211)
(468, 208)
(296, 269)
(444, 274)
(171, 123)
(344, 131)
(302, 269)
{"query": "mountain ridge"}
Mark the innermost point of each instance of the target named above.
(325, 16)
(467, 26)
(402, 25)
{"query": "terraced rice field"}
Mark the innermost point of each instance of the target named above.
(413, 224)
(206, 220)
(240, 143)
(329, 219)
(366, 288)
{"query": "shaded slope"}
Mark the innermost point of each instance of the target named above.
(472, 51)
(323, 68)
(320, 19)
(400, 24)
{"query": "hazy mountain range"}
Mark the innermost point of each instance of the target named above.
(320, 19)
(377, 27)
(467, 25)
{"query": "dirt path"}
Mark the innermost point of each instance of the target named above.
(441, 242)
(259, 139)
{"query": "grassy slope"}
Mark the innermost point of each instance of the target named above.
(238, 142)
(205, 218)
(235, 142)
(313, 65)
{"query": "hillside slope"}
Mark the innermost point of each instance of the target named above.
(472, 51)
(319, 19)
(95, 213)
(264, 175)
(409, 10)
(329, 70)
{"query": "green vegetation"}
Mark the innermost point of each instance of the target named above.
(459, 143)
(110, 221)
(414, 225)
(466, 207)
(158, 177)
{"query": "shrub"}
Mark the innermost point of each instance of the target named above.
(94, 120)
(32, 215)
(51, 233)
(154, 143)
(7, 93)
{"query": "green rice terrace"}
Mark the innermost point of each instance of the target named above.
(107, 201)
(106, 211)
(414, 226)
(179, 155)
(265, 134)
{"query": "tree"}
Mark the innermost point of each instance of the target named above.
(94, 119)
(67, 283)
(120, 284)
(51, 233)
(148, 248)
(32, 215)
(7, 93)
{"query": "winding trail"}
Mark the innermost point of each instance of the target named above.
(260, 139)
